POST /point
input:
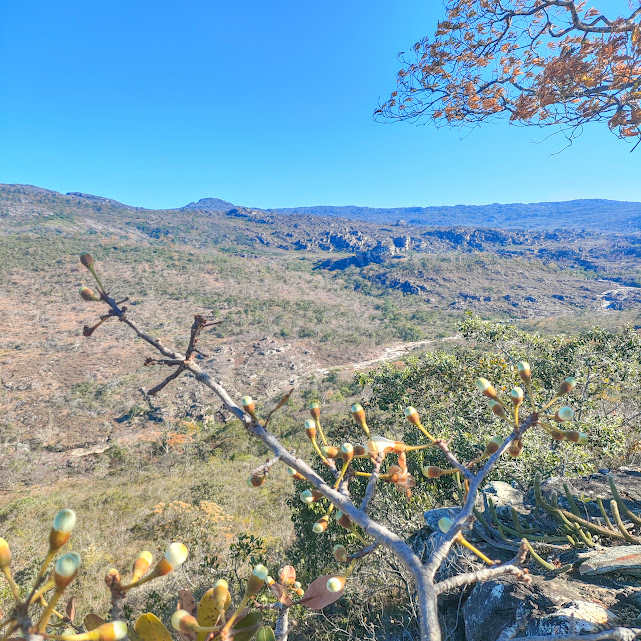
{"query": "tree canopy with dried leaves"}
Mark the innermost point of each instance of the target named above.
(538, 62)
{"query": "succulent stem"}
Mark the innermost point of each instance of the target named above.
(557, 512)
(621, 505)
(614, 508)
(570, 499)
(607, 521)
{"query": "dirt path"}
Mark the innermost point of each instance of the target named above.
(393, 352)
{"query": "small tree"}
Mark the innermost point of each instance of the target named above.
(335, 489)
(538, 62)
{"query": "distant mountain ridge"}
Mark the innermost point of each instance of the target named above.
(597, 215)
(591, 215)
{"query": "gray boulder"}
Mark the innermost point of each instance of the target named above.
(537, 608)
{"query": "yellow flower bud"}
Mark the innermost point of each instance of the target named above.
(432, 471)
(412, 415)
(580, 438)
(564, 414)
(347, 452)
(497, 408)
(329, 451)
(493, 446)
(113, 631)
(175, 556)
(248, 405)
(445, 524)
(516, 394)
(86, 259)
(515, 448)
(5, 554)
(141, 565)
(256, 480)
(310, 429)
(88, 295)
(340, 553)
(321, 525)
(182, 621)
(256, 579)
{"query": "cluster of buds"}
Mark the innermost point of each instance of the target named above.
(50, 585)
(212, 618)
(377, 448)
(215, 618)
(546, 417)
(88, 294)
(175, 556)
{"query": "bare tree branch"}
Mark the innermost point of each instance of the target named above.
(461, 580)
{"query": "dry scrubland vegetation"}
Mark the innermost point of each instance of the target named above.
(77, 431)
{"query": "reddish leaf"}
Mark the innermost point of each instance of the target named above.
(287, 575)
(71, 608)
(281, 594)
(317, 596)
(187, 602)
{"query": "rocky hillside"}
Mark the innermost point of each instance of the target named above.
(595, 215)
(299, 295)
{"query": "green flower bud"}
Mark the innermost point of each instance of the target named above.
(484, 386)
(564, 414)
(445, 524)
(336, 584)
(516, 394)
(524, 371)
(566, 386)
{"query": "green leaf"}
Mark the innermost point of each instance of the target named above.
(247, 627)
(265, 634)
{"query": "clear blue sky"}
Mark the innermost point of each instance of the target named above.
(264, 104)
